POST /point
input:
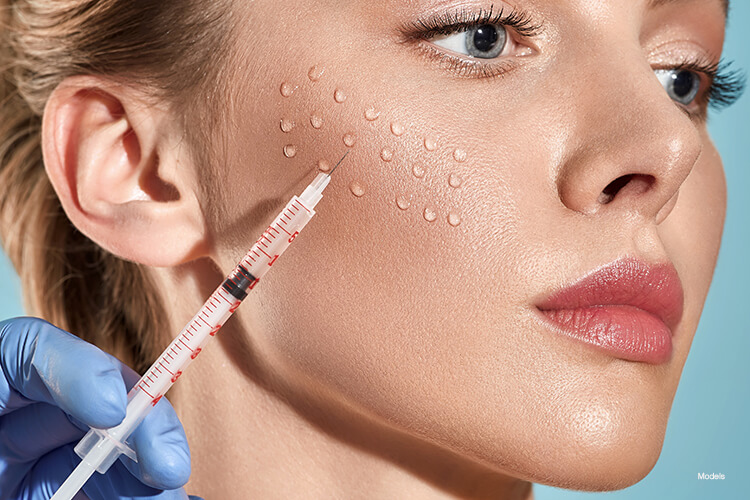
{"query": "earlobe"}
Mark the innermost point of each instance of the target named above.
(108, 154)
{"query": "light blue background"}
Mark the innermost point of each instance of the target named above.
(708, 429)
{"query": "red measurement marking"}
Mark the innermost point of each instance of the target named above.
(157, 369)
(225, 300)
(300, 204)
(291, 238)
(183, 343)
(252, 285)
(214, 330)
(204, 322)
(176, 376)
(234, 307)
(144, 390)
(160, 364)
(264, 244)
(256, 253)
(283, 222)
(195, 353)
(271, 227)
(176, 346)
(264, 253)
(155, 400)
(273, 260)
(148, 376)
(170, 356)
(208, 306)
(287, 232)
(291, 209)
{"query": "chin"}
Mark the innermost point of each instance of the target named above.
(603, 448)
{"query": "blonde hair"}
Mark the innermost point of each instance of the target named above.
(167, 45)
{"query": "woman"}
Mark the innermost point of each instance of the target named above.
(502, 283)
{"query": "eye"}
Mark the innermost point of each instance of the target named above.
(681, 85)
(485, 41)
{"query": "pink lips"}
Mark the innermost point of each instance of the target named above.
(628, 309)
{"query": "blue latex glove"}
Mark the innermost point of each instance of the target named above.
(53, 386)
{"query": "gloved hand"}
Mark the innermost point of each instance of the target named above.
(53, 386)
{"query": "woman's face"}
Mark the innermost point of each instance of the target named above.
(474, 188)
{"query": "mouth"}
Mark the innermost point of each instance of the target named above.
(628, 309)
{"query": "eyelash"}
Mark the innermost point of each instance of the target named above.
(725, 85)
(462, 20)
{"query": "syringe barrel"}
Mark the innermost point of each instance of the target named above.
(215, 312)
(273, 242)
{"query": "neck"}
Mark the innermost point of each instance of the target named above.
(254, 434)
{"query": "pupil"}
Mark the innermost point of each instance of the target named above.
(485, 37)
(683, 83)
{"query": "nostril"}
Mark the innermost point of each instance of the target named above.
(632, 183)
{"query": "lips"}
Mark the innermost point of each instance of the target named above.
(628, 309)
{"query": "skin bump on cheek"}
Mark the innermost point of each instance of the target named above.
(396, 153)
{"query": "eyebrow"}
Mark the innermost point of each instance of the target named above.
(656, 3)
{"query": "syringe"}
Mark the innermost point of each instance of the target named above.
(99, 448)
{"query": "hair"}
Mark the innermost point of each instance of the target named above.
(169, 46)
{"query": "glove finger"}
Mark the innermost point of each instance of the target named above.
(43, 363)
(160, 444)
(162, 449)
(117, 484)
(33, 431)
(44, 477)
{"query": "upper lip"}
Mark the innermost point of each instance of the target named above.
(654, 288)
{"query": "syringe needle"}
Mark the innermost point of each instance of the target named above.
(339, 163)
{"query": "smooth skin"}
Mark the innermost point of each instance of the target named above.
(386, 356)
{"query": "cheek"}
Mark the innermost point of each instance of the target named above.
(395, 160)
(692, 237)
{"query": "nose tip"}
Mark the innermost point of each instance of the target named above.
(640, 171)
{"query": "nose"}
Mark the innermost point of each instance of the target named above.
(630, 147)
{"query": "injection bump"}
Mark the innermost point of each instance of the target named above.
(429, 214)
(397, 129)
(356, 189)
(402, 202)
(316, 121)
(349, 139)
(290, 150)
(459, 155)
(286, 125)
(315, 73)
(454, 180)
(386, 154)
(287, 89)
(371, 114)
(339, 96)
(324, 165)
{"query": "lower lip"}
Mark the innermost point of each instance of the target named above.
(622, 331)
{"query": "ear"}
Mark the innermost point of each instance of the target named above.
(122, 172)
